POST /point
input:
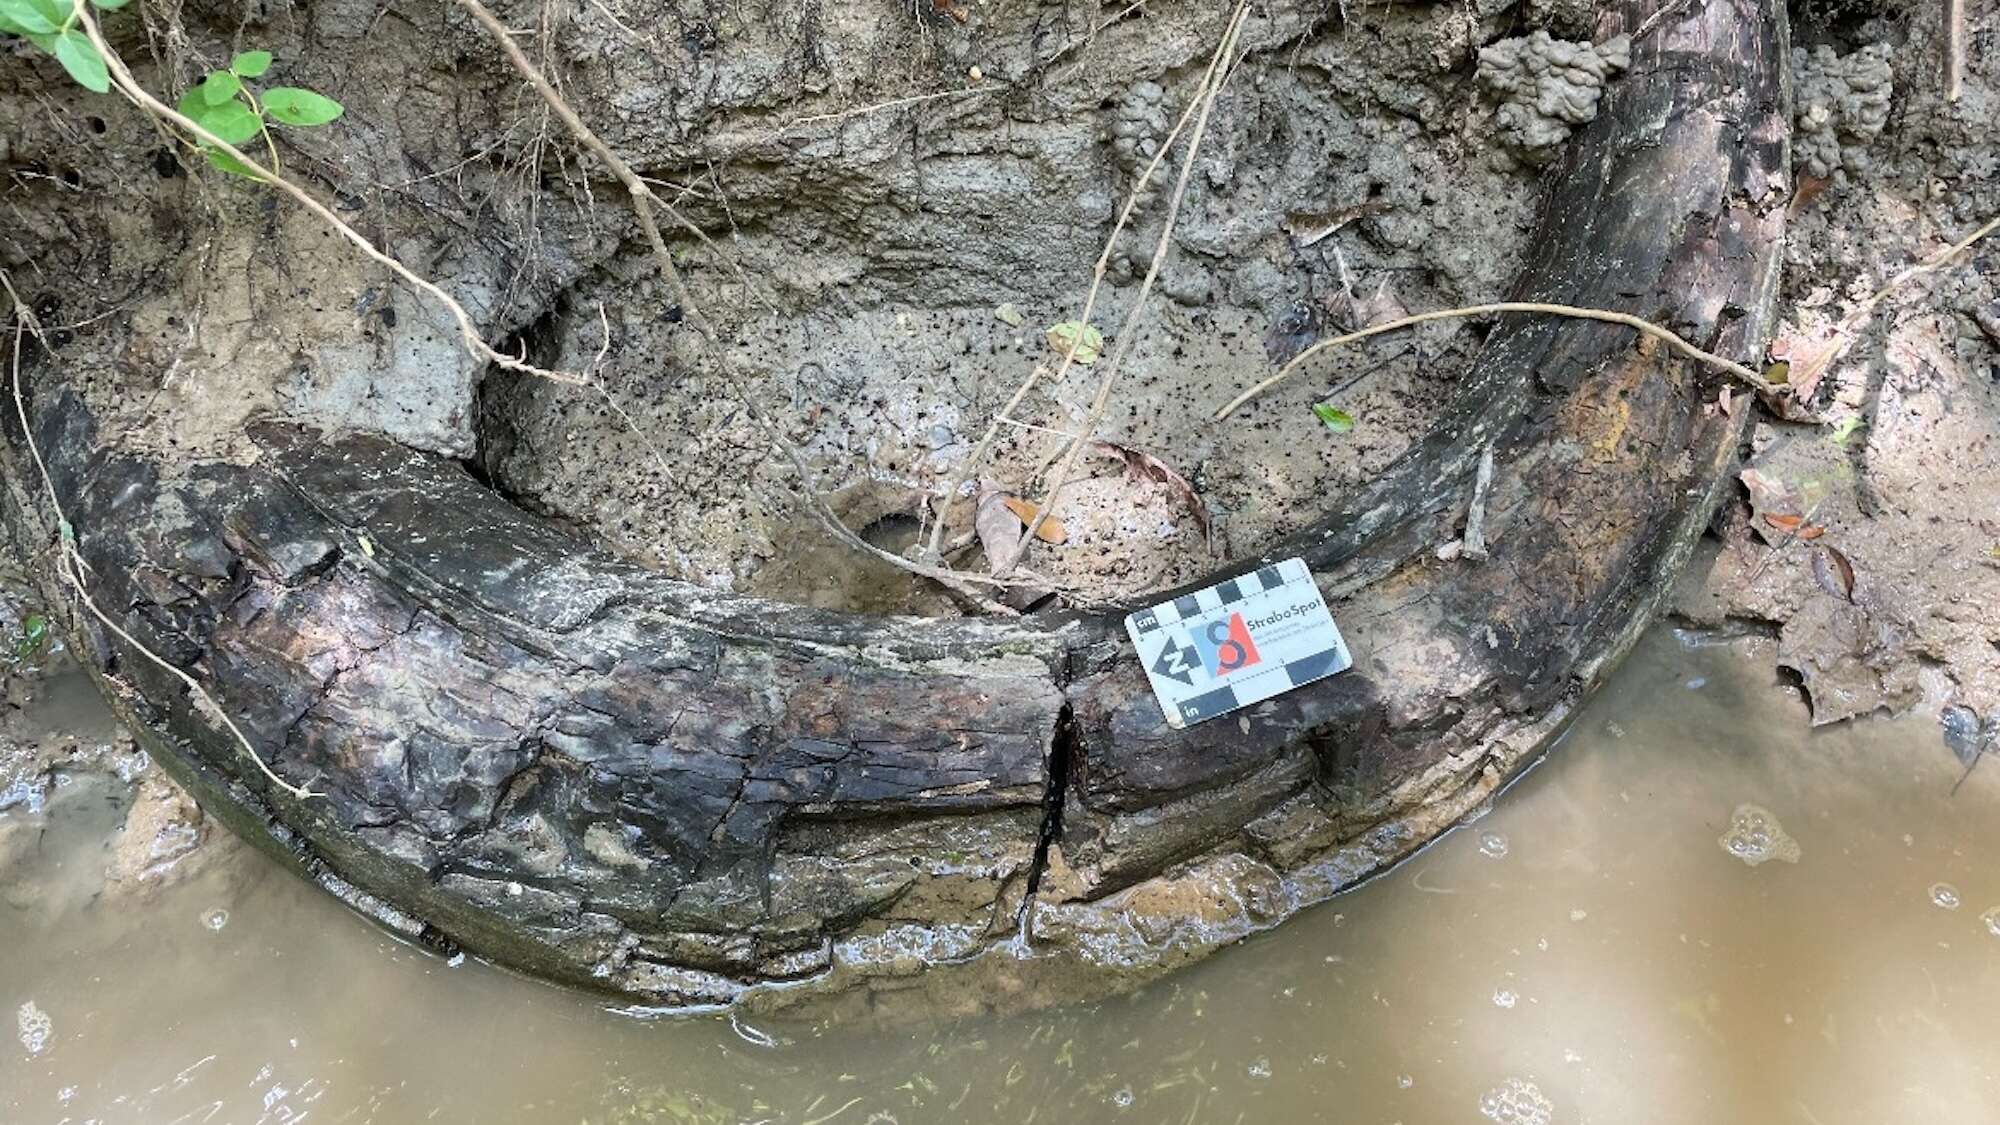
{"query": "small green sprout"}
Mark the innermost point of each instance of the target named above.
(224, 103)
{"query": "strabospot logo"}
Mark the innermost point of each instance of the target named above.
(1226, 646)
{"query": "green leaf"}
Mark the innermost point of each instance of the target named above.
(56, 12)
(34, 635)
(79, 56)
(230, 164)
(1844, 430)
(249, 64)
(220, 86)
(232, 121)
(294, 106)
(1336, 419)
(20, 17)
(1087, 340)
(110, 5)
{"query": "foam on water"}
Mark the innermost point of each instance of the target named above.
(1517, 1101)
(1945, 895)
(1493, 845)
(34, 1026)
(1755, 837)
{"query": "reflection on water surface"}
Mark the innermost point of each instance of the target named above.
(1610, 944)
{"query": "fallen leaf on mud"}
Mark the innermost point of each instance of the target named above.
(1336, 419)
(1085, 338)
(1809, 189)
(1294, 332)
(1845, 430)
(1380, 308)
(1145, 466)
(999, 530)
(1795, 526)
(1834, 572)
(1009, 315)
(1307, 229)
(1051, 531)
(1766, 491)
(1805, 361)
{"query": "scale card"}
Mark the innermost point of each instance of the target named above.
(1237, 642)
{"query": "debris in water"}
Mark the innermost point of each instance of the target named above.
(1962, 733)
(1945, 895)
(1755, 836)
(215, 919)
(35, 1027)
(1505, 998)
(1493, 845)
(1517, 1101)
(1261, 1068)
(1992, 920)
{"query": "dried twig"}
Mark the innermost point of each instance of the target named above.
(121, 78)
(1954, 49)
(1609, 317)
(1211, 87)
(1098, 274)
(70, 564)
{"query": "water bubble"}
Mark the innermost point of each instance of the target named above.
(1505, 998)
(1261, 1068)
(1122, 1097)
(1944, 895)
(1755, 836)
(1992, 920)
(215, 919)
(1578, 915)
(1405, 1081)
(1517, 1101)
(34, 1027)
(66, 1095)
(1492, 845)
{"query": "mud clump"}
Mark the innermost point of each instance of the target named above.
(1842, 103)
(1546, 87)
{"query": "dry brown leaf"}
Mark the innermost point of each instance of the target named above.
(1806, 360)
(999, 530)
(1148, 467)
(1785, 523)
(1051, 531)
(1834, 573)
(1809, 189)
(1308, 229)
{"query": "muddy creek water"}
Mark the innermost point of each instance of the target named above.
(1599, 948)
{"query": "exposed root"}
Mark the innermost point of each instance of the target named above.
(1627, 319)
(1219, 69)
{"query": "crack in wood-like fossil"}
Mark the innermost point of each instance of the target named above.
(582, 769)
